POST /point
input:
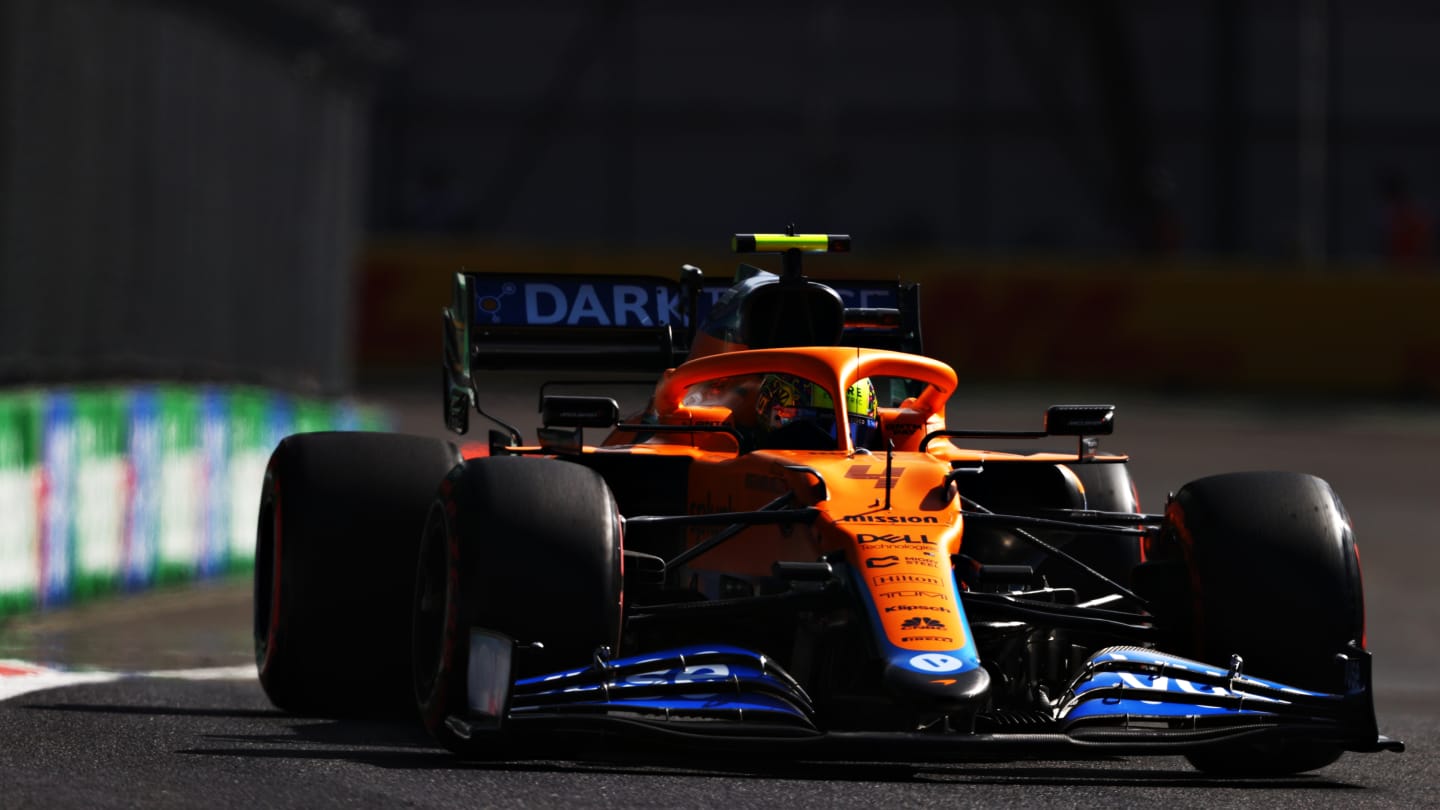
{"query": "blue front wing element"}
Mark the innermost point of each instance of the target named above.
(1124, 685)
(1125, 700)
(714, 682)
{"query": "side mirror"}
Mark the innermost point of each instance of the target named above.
(1080, 420)
(571, 411)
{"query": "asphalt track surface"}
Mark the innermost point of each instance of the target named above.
(198, 732)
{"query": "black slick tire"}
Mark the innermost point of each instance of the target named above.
(530, 548)
(338, 534)
(1274, 577)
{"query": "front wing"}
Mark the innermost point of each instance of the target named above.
(1126, 701)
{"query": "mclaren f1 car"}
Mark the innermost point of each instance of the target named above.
(789, 552)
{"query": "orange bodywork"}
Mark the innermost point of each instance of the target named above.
(903, 552)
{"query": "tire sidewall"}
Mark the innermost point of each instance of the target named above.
(1274, 578)
(480, 590)
(339, 518)
(1273, 574)
(445, 694)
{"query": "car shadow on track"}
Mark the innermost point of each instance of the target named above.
(404, 745)
(407, 747)
(1109, 772)
(171, 711)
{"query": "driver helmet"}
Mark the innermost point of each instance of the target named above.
(785, 399)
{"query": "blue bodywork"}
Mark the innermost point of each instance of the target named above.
(700, 683)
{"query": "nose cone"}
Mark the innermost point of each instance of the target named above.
(941, 691)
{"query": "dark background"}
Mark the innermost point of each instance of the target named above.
(1222, 127)
(188, 188)
(204, 190)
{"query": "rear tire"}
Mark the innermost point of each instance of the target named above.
(338, 534)
(1275, 578)
(530, 548)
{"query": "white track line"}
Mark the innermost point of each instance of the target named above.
(19, 677)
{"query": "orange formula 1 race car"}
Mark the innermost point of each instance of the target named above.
(789, 552)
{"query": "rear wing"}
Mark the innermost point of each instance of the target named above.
(614, 323)
(509, 321)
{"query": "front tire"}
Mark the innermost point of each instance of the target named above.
(1274, 578)
(529, 548)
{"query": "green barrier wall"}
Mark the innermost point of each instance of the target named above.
(117, 489)
(20, 486)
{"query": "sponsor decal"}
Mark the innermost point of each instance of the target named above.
(915, 539)
(889, 519)
(890, 560)
(691, 674)
(907, 608)
(862, 471)
(902, 579)
(903, 428)
(946, 639)
(717, 305)
(489, 306)
(565, 302)
(936, 662)
(1161, 683)
(858, 295)
(922, 623)
(913, 595)
(619, 301)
